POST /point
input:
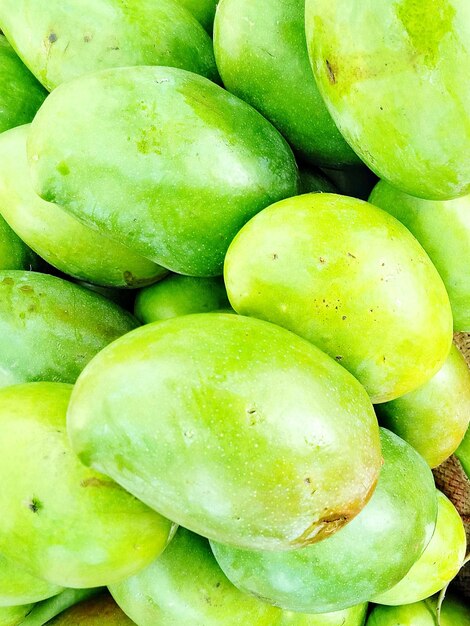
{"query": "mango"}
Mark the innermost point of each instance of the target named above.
(59, 238)
(14, 253)
(17, 586)
(371, 553)
(261, 54)
(443, 229)
(180, 295)
(434, 418)
(62, 39)
(21, 94)
(189, 165)
(454, 612)
(14, 615)
(258, 439)
(352, 280)
(42, 612)
(439, 563)
(463, 453)
(354, 616)
(100, 610)
(391, 76)
(62, 521)
(203, 11)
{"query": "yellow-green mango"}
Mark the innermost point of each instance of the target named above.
(51, 328)
(189, 165)
(21, 95)
(60, 520)
(14, 615)
(262, 57)
(393, 76)
(439, 563)
(454, 612)
(17, 586)
(371, 553)
(352, 280)
(434, 418)
(258, 439)
(63, 39)
(58, 237)
(354, 616)
(443, 229)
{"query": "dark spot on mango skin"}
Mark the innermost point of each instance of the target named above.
(52, 37)
(97, 482)
(26, 289)
(331, 72)
(34, 505)
(8, 281)
(63, 168)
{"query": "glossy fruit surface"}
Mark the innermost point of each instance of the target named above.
(17, 586)
(63, 39)
(372, 552)
(454, 613)
(180, 295)
(203, 11)
(434, 418)
(352, 280)
(197, 166)
(14, 615)
(258, 439)
(391, 77)
(62, 521)
(51, 328)
(262, 57)
(58, 237)
(100, 610)
(443, 229)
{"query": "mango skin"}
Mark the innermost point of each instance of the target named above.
(371, 553)
(232, 393)
(44, 611)
(109, 534)
(21, 94)
(354, 616)
(58, 237)
(64, 39)
(180, 295)
(17, 586)
(100, 610)
(51, 328)
(454, 613)
(399, 100)
(14, 253)
(352, 280)
(14, 615)
(463, 453)
(434, 418)
(439, 563)
(197, 166)
(261, 54)
(185, 586)
(443, 229)
(203, 11)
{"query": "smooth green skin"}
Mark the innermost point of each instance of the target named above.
(14, 253)
(21, 94)
(186, 586)
(312, 181)
(354, 616)
(14, 615)
(64, 39)
(259, 439)
(357, 181)
(180, 295)
(261, 55)
(203, 11)
(454, 612)
(439, 563)
(463, 453)
(443, 229)
(352, 280)
(59, 238)
(434, 418)
(43, 612)
(369, 555)
(399, 100)
(196, 162)
(17, 586)
(98, 611)
(62, 521)
(51, 328)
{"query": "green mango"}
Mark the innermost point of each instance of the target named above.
(14, 253)
(369, 555)
(313, 181)
(259, 439)
(14, 615)
(391, 76)
(357, 181)
(454, 612)
(434, 418)
(463, 453)
(180, 295)
(443, 229)
(17, 586)
(59, 238)
(185, 586)
(352, 280)
(261, 55)
(51, 328)
(62, 39)
(44, 611)
(354, 616)
(197, 165)
(203, 11)
(60, 520)
(21, 94)
(100, 610)
(439, 563)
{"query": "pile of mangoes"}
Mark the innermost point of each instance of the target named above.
(228, 291)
